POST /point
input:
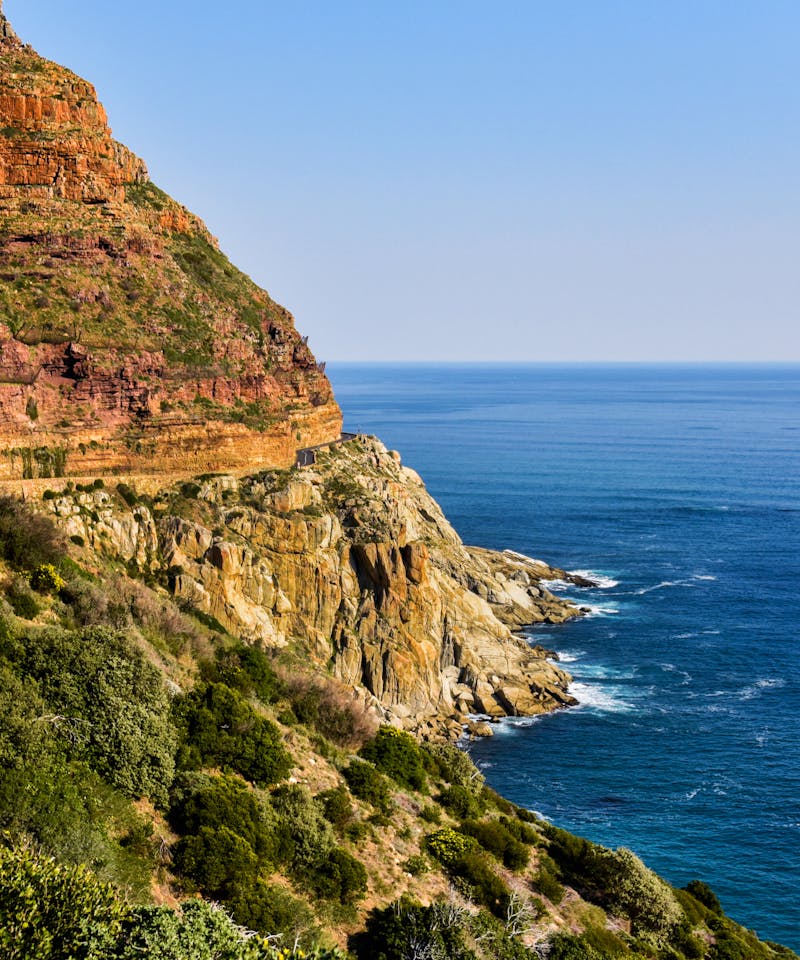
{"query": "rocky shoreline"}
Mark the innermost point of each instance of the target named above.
(351, 563)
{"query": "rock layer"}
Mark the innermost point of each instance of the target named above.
(353, 564)
(128, 341)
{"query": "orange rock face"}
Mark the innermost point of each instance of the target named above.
(128, 342)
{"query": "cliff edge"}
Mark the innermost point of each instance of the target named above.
(350, 563)
(128, 341)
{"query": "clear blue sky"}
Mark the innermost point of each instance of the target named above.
(461, 180)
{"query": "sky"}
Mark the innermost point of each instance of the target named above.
(452, 180)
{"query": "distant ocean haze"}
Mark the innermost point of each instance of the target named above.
(679, 487)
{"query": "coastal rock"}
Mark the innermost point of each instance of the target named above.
(128, 342)
(352, 563)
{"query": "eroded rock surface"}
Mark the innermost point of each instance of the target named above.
(128, 341)
(352, 562)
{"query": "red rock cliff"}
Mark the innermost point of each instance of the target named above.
(128, 341)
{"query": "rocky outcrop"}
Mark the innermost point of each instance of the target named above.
(128, 341)
(352, 563)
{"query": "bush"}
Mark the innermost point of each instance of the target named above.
(397, 754)
(200, 800)
(49, 912)
(246, 669)
(330, 710)
(220, 728)
(461, 803)
(520, 831)
(456, 766)
(367, 784)
(431, 813)
(216, 858)
(196, 931)
(448, 845)
(546, 883)
(22, 599)
(339, 877)
(406, 929)
(304, 837)
(128, 494)
(272, 910)
(116, 702)
(564, 946)
(417, 865)
(702, 892)
(477, 879)
(495, 838)
(27, 539)
(336, 807)
(46, 579)
(639, 894)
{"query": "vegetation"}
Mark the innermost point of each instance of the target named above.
(142, 748)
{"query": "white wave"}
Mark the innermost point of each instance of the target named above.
(570, 656)
(555, 585)
(671, 668)
(600, 699)
(600, 580)
(685, 636)
(754, 690)
(595, 610)
(662, 586)
(693, 793)
(703, 576)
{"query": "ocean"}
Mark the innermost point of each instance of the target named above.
(679, 488)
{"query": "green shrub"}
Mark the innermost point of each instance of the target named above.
(274, 911)
(431, 813)
(367, 783)
(417, 865)
(220, 728)
(196, 931)
(190, 490)
(116, 702)
(448, 845)
(494, 837)
(22, 599)
(246, 669)
(397, 754)
(128, 494)
(702, 892)
(639, 894)
(461, 802)
(51, 912)
(455, 766)
(339, 877)
(200, 800)
(27, 539)
(406, 929)
(214, 859)
(520, 830)
(546, 883)
(336, 807)
(475, 876)
(304, 837)
(564, 946)
(46, 579)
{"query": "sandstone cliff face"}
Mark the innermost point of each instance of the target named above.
(353, 563)
(128, 342)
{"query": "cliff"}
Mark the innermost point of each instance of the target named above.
(128, 341)
(351, 563)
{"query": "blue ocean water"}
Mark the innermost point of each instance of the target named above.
(681, 487)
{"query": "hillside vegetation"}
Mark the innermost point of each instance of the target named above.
(168, 791)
